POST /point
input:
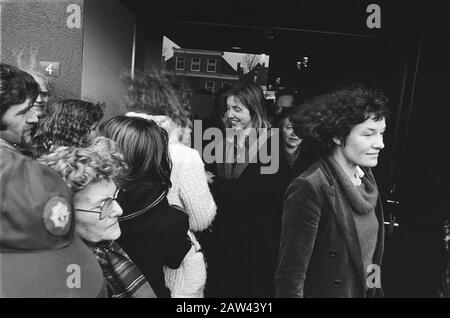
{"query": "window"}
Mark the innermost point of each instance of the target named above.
(195, 64)
(179, 63)
(226, 84)
(209, 85)
(211, 67)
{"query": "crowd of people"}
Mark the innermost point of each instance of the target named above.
(128, 202)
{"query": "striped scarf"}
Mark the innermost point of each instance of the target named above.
(123, 278)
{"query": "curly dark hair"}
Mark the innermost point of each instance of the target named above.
(15, 87)
(78, 167)
(68, 123)
(152, 93)
(333, 115)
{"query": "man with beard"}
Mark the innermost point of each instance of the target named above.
(38, 246)
(29, 64)
(18, 93)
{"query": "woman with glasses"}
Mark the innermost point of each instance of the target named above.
(90, 173)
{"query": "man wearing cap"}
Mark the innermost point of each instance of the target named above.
(40, 254)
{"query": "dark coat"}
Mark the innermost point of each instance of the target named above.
(307, 156)
(156, 238)
(242, 247)
(320, 254)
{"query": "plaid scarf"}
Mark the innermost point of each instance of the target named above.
(123, 278)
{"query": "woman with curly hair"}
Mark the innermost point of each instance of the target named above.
(151, 93)
(70, 122)
(332, 234)
(155, 234)
(152, 97)
(91, 173)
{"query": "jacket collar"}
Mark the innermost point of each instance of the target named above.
(347, 224)
(5, 145)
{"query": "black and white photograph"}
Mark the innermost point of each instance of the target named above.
(232, 151)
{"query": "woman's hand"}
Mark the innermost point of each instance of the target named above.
(209, 177)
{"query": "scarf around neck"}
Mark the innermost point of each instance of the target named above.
(291, 157)
(123, 278)
(362, 198)
(238, 155)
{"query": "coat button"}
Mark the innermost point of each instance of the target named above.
(337, 283)
(333, 253)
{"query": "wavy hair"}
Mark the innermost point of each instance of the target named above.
(80, 166)
(252, 97)
(334, 115)
(151, 93)
(69, 123)
(145, 147)
(16, 86)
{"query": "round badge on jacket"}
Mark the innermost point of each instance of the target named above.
(57, 214)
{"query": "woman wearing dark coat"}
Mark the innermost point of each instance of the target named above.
(242, 246)
(332, 235)
(154, 234)
(296, 153)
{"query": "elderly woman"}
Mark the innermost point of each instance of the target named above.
(69, 122)
(243, 243)
(332, 234)
(90, 173)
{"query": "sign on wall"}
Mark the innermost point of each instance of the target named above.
(50, 68)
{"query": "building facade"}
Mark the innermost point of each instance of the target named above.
(202, 70)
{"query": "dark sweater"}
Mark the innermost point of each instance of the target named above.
(367, 228)
(156, 238)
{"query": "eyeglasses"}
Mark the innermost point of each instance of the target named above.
(106, 207)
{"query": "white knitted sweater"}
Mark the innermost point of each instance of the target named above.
(189, 190)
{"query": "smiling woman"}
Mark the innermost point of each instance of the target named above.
(243, 244)
(298, 152)
(332, 229)
(90, 173)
